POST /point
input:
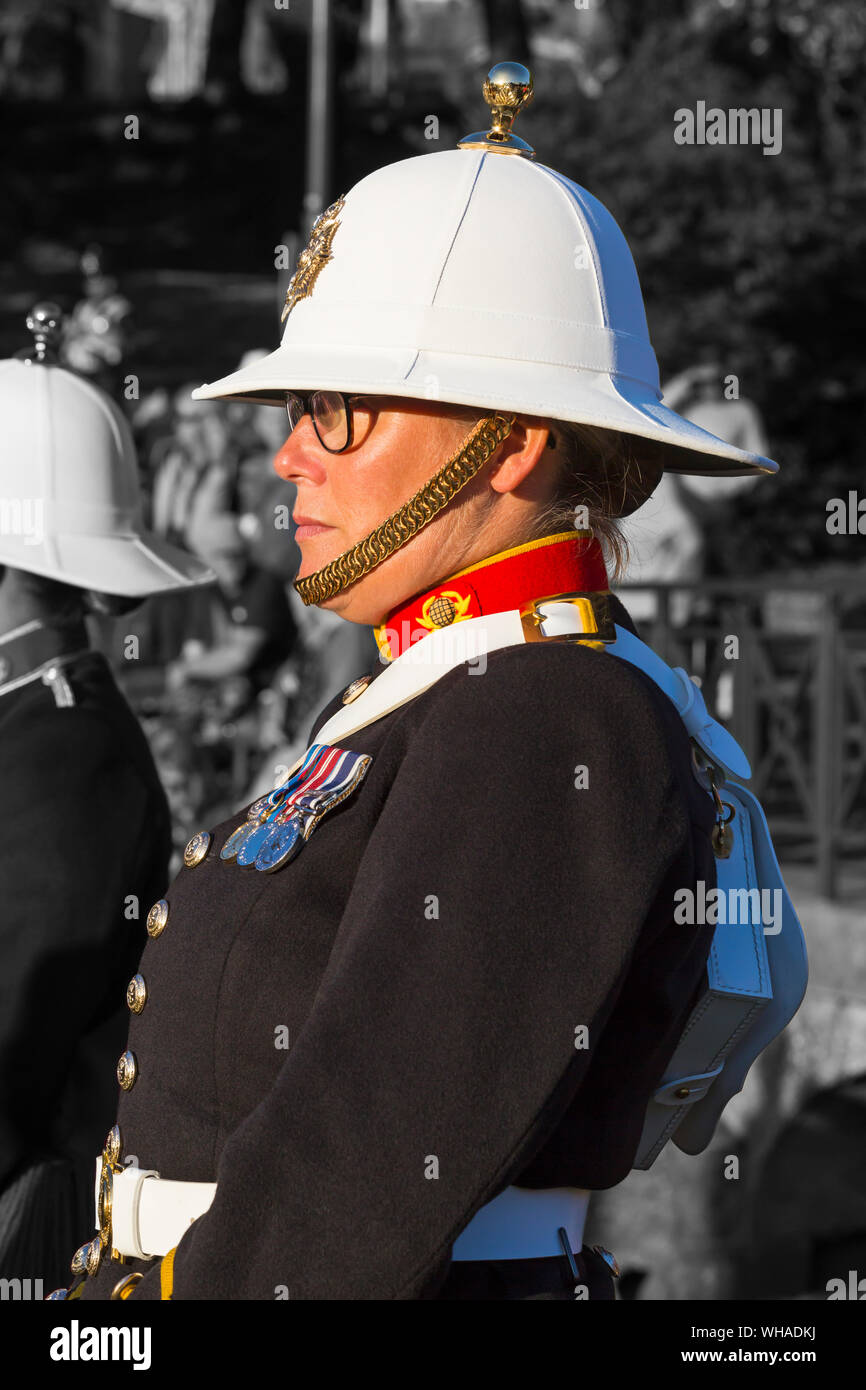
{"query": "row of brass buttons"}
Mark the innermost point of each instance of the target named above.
(136, 996)
(136, 990)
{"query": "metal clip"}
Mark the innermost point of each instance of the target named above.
(722, 836)
(609, 1259)
(59, 686)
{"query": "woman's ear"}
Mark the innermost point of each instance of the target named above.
(519, 454)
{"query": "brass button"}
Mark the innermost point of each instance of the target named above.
(87, 1258)
(354, 689)
(136, 994)
(112, 1144)
(157, 918)
(197, 849)
(681, 1092)
(127, 1071)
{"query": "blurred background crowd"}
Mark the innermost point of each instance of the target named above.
(162, 162)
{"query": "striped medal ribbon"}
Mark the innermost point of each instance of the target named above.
(337, 779)
(266, 806)
(317, 770)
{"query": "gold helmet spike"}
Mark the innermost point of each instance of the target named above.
(507, 89)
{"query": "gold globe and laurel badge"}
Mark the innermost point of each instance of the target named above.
(444, 608)
(482, 441)
(314, 256)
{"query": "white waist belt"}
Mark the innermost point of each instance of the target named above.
(150, 1215)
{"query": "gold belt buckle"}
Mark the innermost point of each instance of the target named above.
(88, 1257)
(597, 628)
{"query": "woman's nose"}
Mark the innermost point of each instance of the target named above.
(297, 457)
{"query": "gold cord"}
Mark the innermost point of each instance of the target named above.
(408, 520)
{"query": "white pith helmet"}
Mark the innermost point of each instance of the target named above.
(479, 277)
(70, 505)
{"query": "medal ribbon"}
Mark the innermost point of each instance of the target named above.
(337, 775)
(322, 766)
(341, 780)
(325, 776)
(242, 842)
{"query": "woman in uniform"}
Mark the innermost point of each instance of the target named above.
(396, 1021)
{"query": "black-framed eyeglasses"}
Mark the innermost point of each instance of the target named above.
(330, 412)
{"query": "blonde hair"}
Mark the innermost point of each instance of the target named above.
(607, 473)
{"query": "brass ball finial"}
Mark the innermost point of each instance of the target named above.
(507, 89)
(44, 322)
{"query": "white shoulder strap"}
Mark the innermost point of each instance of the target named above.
(420, 666)
(425, 662)
(756, 978)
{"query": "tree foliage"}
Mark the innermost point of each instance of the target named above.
(759, 257)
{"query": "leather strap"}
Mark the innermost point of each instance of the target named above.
(427, 661)
(150, 1215)
(523, 1224)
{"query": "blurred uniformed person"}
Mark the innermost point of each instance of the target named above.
(396, 1021)
(86, 833)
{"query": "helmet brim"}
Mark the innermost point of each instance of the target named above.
(139, 565)
(608, 401)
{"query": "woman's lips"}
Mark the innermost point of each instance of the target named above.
(306, 526)
(303, 533)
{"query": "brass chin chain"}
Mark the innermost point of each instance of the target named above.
(405, 523)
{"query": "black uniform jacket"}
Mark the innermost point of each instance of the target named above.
(85, 844)
(431, 951)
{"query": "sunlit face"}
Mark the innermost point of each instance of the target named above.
(396, 448)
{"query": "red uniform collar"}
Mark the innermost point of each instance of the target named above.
(569, 562)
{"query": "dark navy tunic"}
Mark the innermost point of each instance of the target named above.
(431, 953)
(85, 844)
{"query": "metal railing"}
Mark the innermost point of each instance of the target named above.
(782, 662)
